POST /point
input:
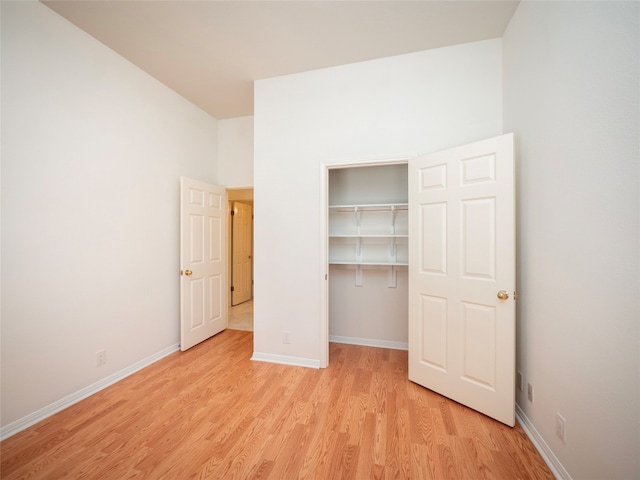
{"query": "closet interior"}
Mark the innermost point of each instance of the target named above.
(368, 255)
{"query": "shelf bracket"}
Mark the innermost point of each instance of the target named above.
(393, 277)
(358, 249)
(393, 219)
(358, 213)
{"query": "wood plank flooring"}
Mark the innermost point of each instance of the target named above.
(212, 413)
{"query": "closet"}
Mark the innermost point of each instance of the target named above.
(461, 310)
(368, 255)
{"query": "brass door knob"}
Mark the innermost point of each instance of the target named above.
(189, 272)
(503, 295)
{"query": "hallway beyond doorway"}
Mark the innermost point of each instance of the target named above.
(241, 316)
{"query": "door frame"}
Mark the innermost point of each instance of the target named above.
(324, 234)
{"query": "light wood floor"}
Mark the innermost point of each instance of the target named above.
(212, 413)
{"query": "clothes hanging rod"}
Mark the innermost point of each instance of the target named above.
(365, 209)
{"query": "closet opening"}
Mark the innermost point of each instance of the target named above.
(367, 254)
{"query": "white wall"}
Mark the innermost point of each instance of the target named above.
(571, 96)
(235, 152)
(92, 152)
(412, 103)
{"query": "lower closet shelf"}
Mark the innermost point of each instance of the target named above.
(359, 267)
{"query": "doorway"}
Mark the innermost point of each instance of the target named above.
(240, 258)
(364, 248)
(368, 255)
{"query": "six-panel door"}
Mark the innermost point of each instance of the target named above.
(203, 290)
(461, 255)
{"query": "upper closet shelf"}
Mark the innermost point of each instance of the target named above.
(376, 235)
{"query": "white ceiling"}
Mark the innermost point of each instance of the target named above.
(210, 52)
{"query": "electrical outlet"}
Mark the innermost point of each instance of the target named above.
(101, 357)
(530, 392)
(520, 379)
(286, 337)
(561, 427)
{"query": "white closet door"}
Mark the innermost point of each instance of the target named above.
(461, 270)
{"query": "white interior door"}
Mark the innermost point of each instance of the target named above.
(462, 254)
(203, 286)
(242, 253)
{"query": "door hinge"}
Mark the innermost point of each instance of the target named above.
(232, 289)
(233, 212)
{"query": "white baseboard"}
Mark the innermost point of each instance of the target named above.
(45, 412)
(548, 456)
(369, 342)
(285, 360)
